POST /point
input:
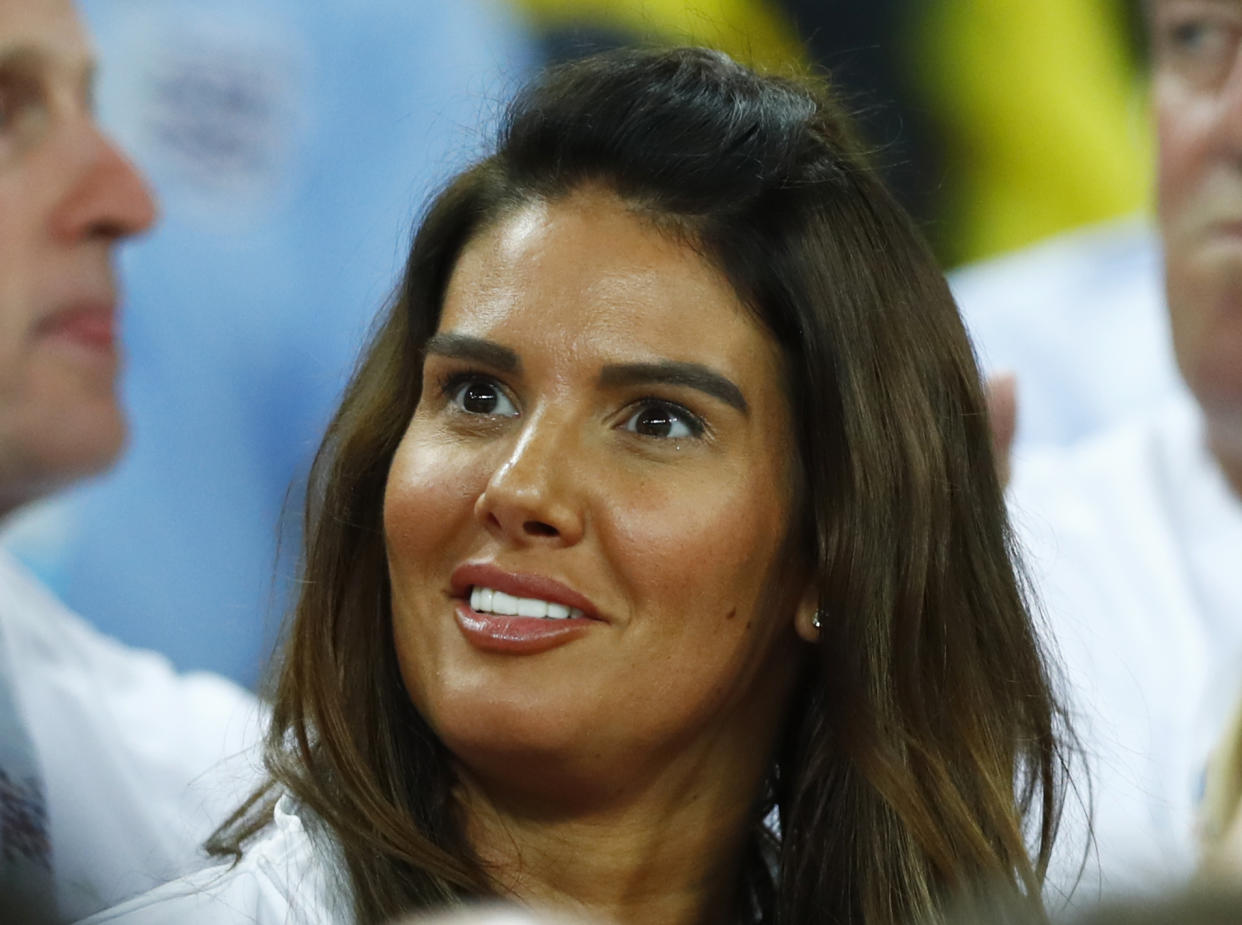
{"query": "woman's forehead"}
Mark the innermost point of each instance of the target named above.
(587, 277)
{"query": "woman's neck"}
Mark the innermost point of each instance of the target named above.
(664, 856)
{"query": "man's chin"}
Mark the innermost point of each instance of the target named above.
(95, 451)
(51, 458)
(1231, 466)
(1224, 436)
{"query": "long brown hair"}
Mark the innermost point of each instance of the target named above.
(923, 752)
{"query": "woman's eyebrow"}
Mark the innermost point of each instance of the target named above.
(465, 347)
(671, 372)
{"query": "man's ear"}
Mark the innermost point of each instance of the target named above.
(807, 618)
(1001, 390)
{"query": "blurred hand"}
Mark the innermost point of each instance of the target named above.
(1003, 416)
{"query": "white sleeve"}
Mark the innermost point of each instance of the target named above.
(281, 880)
(215, 897)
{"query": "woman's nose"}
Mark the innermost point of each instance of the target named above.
(533, 497)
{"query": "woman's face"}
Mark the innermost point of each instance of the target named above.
(602, 433)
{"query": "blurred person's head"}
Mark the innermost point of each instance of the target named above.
(1197, 86)
(67, 196)
(672, 357)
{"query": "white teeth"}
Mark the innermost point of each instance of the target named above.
(486, 600)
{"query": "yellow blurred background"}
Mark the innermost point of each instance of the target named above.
(999, 122)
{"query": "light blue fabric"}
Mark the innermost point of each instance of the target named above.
(292, 144)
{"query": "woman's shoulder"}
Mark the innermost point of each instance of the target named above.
(285, 877)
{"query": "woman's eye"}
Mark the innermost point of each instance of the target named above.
(664, 420)
(476, 395)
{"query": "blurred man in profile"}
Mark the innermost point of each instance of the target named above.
(103, 750)
(1198, 94)
(290, 145)
(1135, 532)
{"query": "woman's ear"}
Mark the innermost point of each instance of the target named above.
(809, 617)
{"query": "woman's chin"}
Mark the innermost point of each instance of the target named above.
(541, 760)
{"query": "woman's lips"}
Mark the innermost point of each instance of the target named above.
(512, 635)
(486, 575)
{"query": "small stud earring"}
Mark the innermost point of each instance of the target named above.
(817, 621)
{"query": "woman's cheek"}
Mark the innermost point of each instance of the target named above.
(430, 485)
(691, 532)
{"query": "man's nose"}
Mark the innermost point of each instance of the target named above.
(109, 198)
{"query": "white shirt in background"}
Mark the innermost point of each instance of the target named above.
(1134, 542)
(1080, 319)
(139, 764)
